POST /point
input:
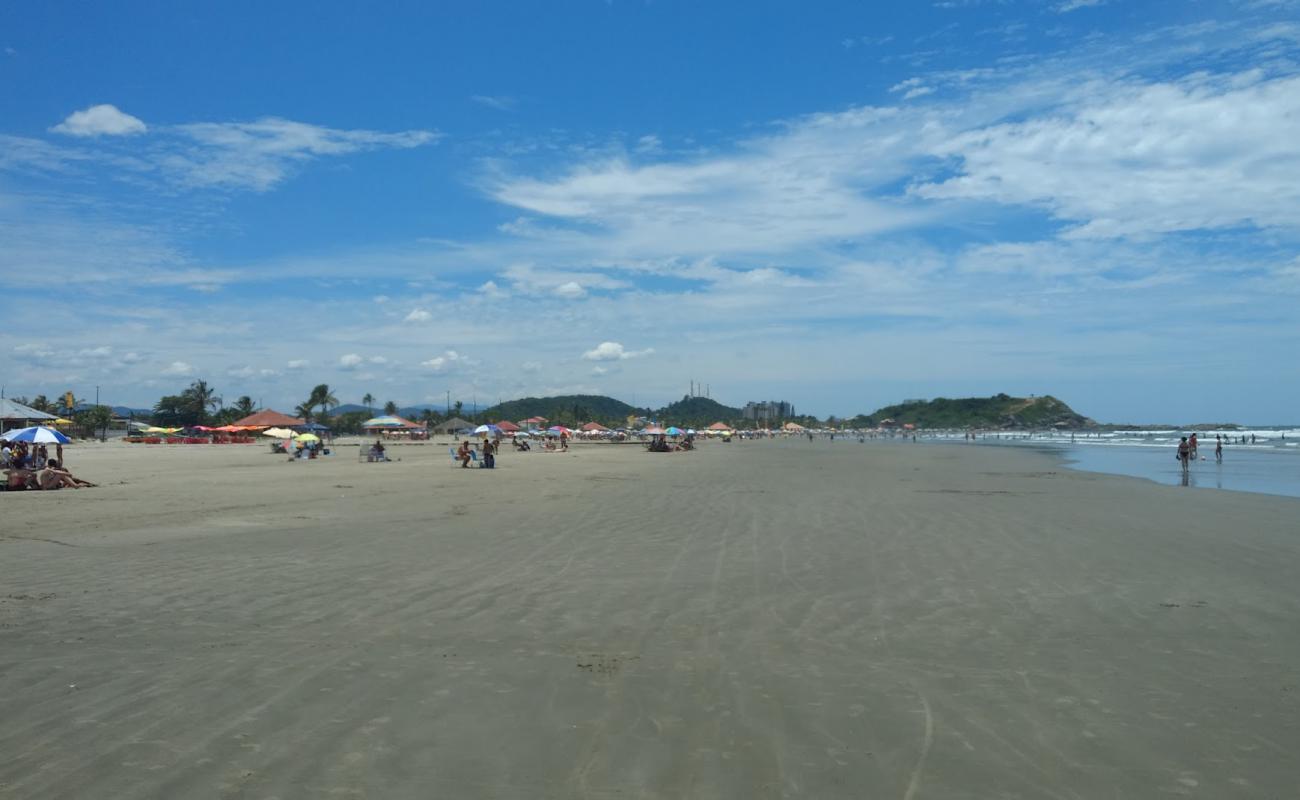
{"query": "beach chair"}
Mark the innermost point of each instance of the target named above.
(455, 459)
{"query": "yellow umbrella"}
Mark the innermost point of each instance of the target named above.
(307, 437)
(62, 421)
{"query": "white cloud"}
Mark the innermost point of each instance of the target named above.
(597, 371)
(447, 359)
(490, 290)
(131, 358)
(377, 360)
(418, 315)
(245, 371)
(178, 368)
(381, 298)
(613, 351)
(570, 290)
(1130, 158)
(350, 361)
(298, 363)
(100, 120)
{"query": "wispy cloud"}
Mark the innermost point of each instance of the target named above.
(226, 155)
(498, 102)
(1074, 5)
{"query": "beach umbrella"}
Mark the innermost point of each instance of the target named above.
(558, 429)
(487, 429)
(36, 434)
(383, 422)
(278, 433)
(674, 431)
(653, 430)
(307, 437)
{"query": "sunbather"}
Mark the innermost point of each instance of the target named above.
(53, 476)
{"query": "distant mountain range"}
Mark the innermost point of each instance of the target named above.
(578, 408)
(409, 412)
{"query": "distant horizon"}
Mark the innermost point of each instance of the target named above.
(468, 408)
(838, 205)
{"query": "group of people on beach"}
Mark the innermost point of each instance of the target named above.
(31, 468)
(1189, 448)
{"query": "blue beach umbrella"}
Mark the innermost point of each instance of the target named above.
(486, 429)
(674, 431)
(36, 434)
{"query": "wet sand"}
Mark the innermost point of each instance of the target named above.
(753, 620)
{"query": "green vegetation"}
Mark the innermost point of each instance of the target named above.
(569, 409)
(696, 412)
(1000, 411)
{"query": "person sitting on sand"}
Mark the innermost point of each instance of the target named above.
(53, 476)
(464, 454)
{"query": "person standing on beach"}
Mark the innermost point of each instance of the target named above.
(1192, 443)
(1218, 449)
(1184, 454)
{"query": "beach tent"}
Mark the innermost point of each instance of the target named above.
(269, 418)
(453, 425)
(719, 426)
(507, 426)
(792, 426)
(593, 427)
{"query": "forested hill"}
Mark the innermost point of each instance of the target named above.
(696, 412)
(569, 409)
(1000, 411)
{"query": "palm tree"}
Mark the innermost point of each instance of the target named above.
(390, 408)
(244, 406)
(305, 410)
(201, 397)
(369, 401)
(456, 408)
(323, 397)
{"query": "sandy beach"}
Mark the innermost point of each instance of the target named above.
(753, 620)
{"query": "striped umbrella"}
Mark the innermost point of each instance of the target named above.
(36, 434)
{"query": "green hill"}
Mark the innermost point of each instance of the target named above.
(568, 409)
(696, 412)
(1000, 411)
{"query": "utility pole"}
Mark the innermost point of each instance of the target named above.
(448, 404)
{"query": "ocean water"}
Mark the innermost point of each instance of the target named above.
(1269, 465)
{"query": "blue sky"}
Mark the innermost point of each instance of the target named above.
(839, 206)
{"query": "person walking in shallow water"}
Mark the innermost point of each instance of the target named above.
(1184, 454)
(1218, 449)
